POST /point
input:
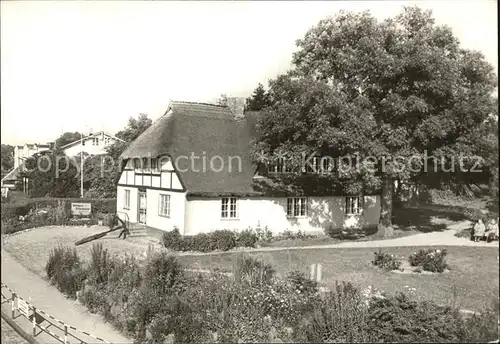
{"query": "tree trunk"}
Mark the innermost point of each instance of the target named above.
(385, 223)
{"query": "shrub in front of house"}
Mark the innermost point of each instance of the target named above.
(333, 231)
(65, 270)
(247, 238)
(223, 240)
(429, 260)
(386, 261)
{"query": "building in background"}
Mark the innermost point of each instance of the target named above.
(22, 152)
(92, 144)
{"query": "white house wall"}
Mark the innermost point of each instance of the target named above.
(88, 148)
(177, 209)
(132, 211)
(203, 215)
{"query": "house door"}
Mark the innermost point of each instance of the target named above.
(142, 207)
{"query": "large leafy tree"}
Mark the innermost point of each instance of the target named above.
(134, 128)
(393, 90)
(51, 175)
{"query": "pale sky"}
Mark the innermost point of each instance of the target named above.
(71, 65)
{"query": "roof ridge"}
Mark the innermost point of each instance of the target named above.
(199, 103)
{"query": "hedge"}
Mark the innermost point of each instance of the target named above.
(99, 205)
(59, 213)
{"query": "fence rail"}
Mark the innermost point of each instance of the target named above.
(38, 316)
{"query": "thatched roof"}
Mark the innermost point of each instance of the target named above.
(212, 130)
(197, 129)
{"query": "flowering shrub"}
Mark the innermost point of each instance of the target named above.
(386, 261)
(340, 317)
(291, 235)
(65, 270)
(253, 271)
(162, 300)
(429, 260)
(263, 234)
(246, 238)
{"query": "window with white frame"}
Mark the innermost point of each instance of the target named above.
(296, 206)
(95, 141)
(229, 208)
(353, 205)
(164, 209)
(126, 201)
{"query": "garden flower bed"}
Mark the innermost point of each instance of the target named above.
(161, 301)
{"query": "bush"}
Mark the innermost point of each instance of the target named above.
(386, 261)
(483, 328)
(400, 319)
(223, 240)
(246, 238)
(300, 282)
(339, 317)
(172, 239)
(253, 271)
(429, 259)
(65, 270)
(333, 231)
(100, 266)
(164, 275)
(291, 235)
(263, 234)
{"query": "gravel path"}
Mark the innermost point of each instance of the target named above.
(49, 299)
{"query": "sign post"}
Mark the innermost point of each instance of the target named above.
(81, 209)
(23, 307)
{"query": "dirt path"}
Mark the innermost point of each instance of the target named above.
(50, 300)
(444, 238)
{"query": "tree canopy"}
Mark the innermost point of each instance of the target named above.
(66, 138)
(134, 128)
(7, 155)
(259, 99)
(393, 90)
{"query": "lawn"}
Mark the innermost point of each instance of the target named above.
(471, 283)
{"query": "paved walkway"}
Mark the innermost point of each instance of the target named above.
(50, 300)
(444, 238)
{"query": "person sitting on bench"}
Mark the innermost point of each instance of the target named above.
(479, 230)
